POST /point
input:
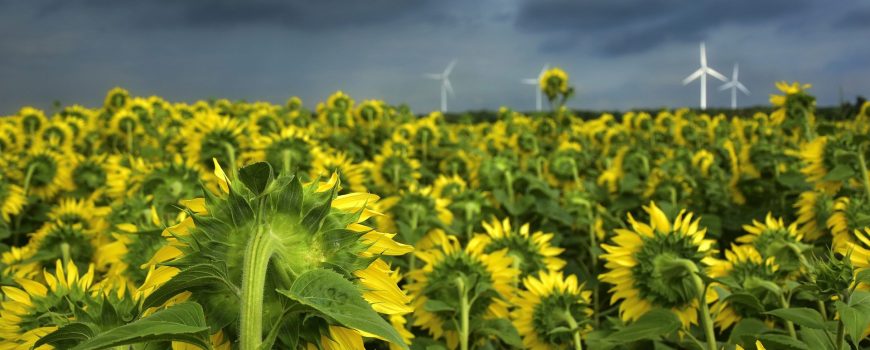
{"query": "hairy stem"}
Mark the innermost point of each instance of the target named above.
(464, 308)
(256, 263)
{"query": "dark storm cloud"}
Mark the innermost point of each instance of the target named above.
(307, 15)
(622, 27)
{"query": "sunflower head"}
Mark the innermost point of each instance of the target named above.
(744, 270)
(650, 265)
(449, 269)
(554, 82)
(32, 309)
(290, 148)
(414, 213)
(116, 99)
(532, 252)
(813, 210)
(213, 136)
(31, 120)
(551, 301)
(47, 170)
(12, 199)
(309, 228)
(773, 238)
(849, 214)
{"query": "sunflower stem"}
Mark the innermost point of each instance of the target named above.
(231, 153)
(789, 325)
(704, 310)
(285, 165)
(64, 251)
(256, 263)
(464, 309)
(129, 138)
(593, 242)
(26, 188)
(575, 329)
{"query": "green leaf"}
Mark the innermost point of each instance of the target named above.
(746, 300)
(256, 176)
(840, 172)
(816, 339)
(196, 276)
(863, 276)
(802, 316)
(500, 328)
(652, 325)
(68, 336)
(433, 305)
(779, 341)
(854, 319)
(338, 299)
(182, 322)
(746, 328)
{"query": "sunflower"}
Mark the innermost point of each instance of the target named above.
(565, 164)
(640, 265)
(702, 160)
(67, 241)
(554, 82)
(792, 92)
(532, 252)
(32, 310)
(743, 268)
(448, 186)
(444, 264)
(31, 120)
(89, 175)
(337, 240)
(45, 173)
(116, 99)
(848, 216)
(369, 112)
(417, 210)
(773, 238)
(813, 210)
(394, 168)
(264, 122)
(56, 135)
(12, 199)
(814, 155)
(351, 176)
(547, 303)
(291, 148)
(211, 136)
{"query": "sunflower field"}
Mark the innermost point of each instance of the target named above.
(148, 224)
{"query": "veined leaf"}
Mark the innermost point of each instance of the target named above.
(340, 300)
(183, 322)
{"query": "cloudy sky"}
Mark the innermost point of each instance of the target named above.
(619, 53)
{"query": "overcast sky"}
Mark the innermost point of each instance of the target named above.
(619, 53)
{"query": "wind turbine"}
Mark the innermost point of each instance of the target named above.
(702, 73)
(445, 83)
(734, 85)
(536, 82)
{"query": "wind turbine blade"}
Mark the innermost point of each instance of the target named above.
(432, 76)
(448, 87)
(694, 76)
(742, 88)
(703, 55)
(726, 86)
(543, 70)
(716, 74)
(449, 68)
(736, 72)
(530, 81)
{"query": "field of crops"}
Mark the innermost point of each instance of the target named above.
(150, 224)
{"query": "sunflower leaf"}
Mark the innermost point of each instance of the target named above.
(194, 277)
(500, 328)
(652, 325)
(184, 322)
(779, 341)
(68, 336)
(340, 300)
(801, 316)
(256, 176)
